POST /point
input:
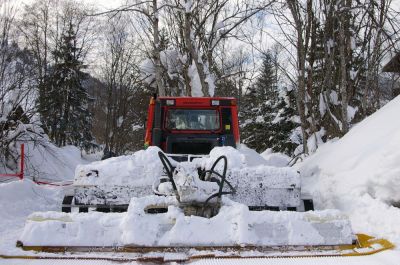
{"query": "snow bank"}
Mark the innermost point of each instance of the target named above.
(51, 162)
(233, 225)
(360, 174)
(47, 162)
(18, 199)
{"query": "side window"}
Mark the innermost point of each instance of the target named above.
(227, 120)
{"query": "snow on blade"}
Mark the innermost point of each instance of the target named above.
(140, 169)
(144, 167)
(234, 225)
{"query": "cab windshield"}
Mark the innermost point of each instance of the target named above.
(189, 119)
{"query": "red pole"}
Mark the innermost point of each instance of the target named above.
(21, 173)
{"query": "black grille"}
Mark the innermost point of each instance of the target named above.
(192, 148)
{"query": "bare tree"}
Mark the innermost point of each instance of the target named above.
(196, 30)
(44, 23)
(122, 103)
(16, 92)
(303, 34)
(339, 48)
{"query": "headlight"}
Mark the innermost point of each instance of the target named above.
(214, 102)
(170, 102)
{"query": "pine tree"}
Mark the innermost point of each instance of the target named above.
(253, 125)
(284, 123)
(66, 113)
(268, 113)
(257, 110)
(266, 84)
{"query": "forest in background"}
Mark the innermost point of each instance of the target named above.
(304, 72)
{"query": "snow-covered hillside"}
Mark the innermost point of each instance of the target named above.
(360, 174)
(47, 162)
(53, 163)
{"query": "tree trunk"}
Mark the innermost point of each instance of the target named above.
(301, 94)
(156, 51)
(193, 53)
(344, 57)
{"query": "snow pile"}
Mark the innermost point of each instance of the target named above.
(53, 228)
(139, 169)
(233, 225)
(116, 180)
(144, 167)
(18, 200)
(276, 159)
(235, 158)
(242, 157)
(360, 174)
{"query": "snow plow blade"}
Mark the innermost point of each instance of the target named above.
(168, 235)
(363, 246)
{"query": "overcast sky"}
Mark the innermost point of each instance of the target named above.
(104, 4)
(101, 4)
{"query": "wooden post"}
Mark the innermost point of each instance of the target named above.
(21, 172)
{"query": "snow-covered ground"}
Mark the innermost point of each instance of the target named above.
(18, 199)
(358, 174)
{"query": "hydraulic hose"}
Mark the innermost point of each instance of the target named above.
(222, 181)
(168, 168)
